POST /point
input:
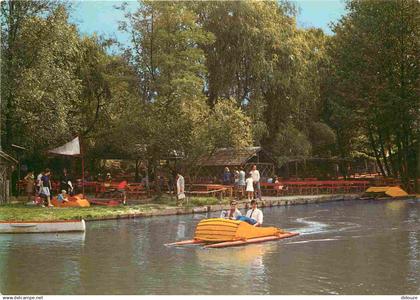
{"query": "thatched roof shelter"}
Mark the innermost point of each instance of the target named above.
(212, 166)
(230, 156)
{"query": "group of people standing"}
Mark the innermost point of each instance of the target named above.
(249, 183)
(42, 186)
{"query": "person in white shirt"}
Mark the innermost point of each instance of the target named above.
(255, 214)
(255, 174)
(232, 213)
(180, 189)
(249, 187)
(241, 183)
(38, 183)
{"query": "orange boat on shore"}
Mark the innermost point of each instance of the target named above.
(219, 233)
(73, 201)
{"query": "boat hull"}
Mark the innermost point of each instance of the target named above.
(386, 192)
(252, 241)
(42, 227)
(219, 233)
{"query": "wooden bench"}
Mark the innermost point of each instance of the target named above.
(273, 189)
(314, 187)
(136, 190)
(209, 189)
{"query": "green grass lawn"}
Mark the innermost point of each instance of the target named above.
(190, 202)
(21, 212)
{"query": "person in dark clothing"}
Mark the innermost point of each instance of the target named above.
(227, 176)
(65, 182)
(46, 187)
(171, 182)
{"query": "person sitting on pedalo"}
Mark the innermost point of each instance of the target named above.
(254, 216)
(233, 213)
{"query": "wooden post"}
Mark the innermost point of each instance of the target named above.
(136, 175)
(83, 176)
(416, 178)
(83, 166)
(18, 171)
(83, 169)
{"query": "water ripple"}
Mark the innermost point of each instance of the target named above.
(310, 241)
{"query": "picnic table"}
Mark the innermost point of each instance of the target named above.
(90, 186)
(109, 189)
(314, 187)
(210, 189)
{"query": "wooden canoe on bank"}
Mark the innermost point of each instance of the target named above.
(219, 233)
(42, 226)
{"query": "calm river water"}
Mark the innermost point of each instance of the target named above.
(352, 247)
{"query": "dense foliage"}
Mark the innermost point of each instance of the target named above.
(203, 75)
(373, 93)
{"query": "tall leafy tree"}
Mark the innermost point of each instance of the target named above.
(13, 58)
(45, 85)
(61, 84)
(260, 59)
(377, 81)
(167, 56)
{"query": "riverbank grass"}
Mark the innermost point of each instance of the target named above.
(21, 212)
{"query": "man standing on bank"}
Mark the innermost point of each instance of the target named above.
(180, 189)
(255, 174)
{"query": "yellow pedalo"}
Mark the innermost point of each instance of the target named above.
(218, 233)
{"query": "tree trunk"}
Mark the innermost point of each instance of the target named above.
(416, 178)
(341, 164)
(136, 174)
(402, 171)
(384, 157)
(9, 73)
(373, 145)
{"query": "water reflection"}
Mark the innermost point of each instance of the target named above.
(34, 260)
(414, 249)
(238, 257)
(244, 264)
(56, 239)
(201, 216)
(180, 233)
(395, 205)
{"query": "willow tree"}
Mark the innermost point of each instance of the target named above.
(269, 66)
(167, 54)
(245, 33)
